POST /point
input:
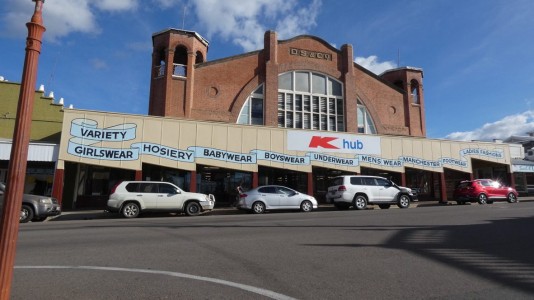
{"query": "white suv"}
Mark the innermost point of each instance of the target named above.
(360, 190)
(132, 197)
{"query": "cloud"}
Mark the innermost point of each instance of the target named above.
(518, 124)
(61, 17)
(245, 22)
(372, 64)
(99, 64)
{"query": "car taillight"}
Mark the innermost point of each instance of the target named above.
(242, 195)
(114, 188)
(342, 188)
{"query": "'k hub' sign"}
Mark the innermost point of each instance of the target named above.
(332, 142)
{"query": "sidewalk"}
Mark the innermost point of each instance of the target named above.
(101, 214)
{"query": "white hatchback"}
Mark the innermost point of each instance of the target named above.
(269, 197)
(130, 198)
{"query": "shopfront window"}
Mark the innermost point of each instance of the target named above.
(222, 183)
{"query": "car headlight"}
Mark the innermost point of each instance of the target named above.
(45, 201)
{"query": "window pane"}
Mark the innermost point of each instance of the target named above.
(315, 121)
(289, 101)
(319, 84)
(302, 83)
(339, 106)
(335, 88)
(285, 81)
(298, 102)
(307, 104)
(281, 105)
(323, 105)
(259, 90)
(340, 126)
(306, 124)
(281, 119)
(289, 120)
(257, 111)
(298, 120)
(360, 116)
(243, 117)
(315, 104)
(332, 123)
(323, 122)
(331, 106)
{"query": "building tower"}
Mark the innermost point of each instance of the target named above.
(410, 80)
(175, 53)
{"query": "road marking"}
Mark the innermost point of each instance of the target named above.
(259, 291)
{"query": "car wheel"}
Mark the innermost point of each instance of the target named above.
(26, 214)
(511, 198)
(460, 202)
(482, 199)
(258, 207)
(130, 210)
(384, 206)
(306, 206)
(404, 201)
(193, 209)
(360, 202)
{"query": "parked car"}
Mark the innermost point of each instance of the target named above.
(360, 190)
(34, 208)
(483, 191)
(130, 198)
(270, 197)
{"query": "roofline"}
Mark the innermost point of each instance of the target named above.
(198, 36)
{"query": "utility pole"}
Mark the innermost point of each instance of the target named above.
(16, 173)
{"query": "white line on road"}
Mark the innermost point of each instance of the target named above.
(245, 287)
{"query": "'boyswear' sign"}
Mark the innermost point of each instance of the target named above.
(332, 142)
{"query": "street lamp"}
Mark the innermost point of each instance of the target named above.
(19, 152)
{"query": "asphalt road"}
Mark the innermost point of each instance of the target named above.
(436, 252)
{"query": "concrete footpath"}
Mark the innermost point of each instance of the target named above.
(101, 214)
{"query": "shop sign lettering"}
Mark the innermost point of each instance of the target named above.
(86, 135)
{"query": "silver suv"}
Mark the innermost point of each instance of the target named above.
(34, 208)
(130, 198)
(360, 190)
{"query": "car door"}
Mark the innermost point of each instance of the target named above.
(148, 194)
(169, 197)
(387, 190)
(288, 197)
(270, 196)
(372, 189)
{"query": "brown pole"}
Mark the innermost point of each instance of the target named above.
(19, 152)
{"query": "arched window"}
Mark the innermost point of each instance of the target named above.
(415, 91)
(365, 122)
(199, 57)
(252, 111)
(180, 61)
(159, 63)
(310, 100)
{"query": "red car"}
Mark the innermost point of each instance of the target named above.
(483, 191)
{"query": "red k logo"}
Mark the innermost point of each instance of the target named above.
(323, 142)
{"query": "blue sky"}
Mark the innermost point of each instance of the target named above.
(477, 55)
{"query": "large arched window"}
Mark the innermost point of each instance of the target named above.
(310, 100)
(252, 111)
(365, 122)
